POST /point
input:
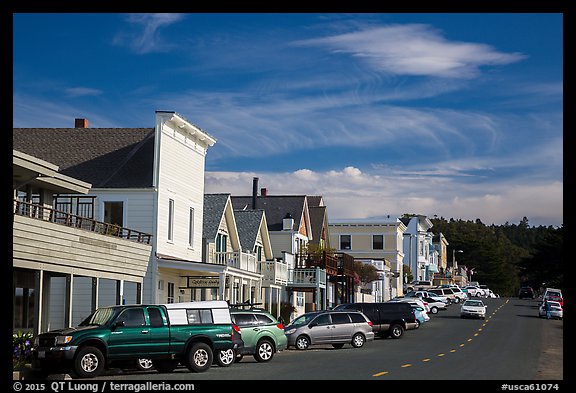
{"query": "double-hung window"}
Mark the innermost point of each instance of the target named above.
(377, 242)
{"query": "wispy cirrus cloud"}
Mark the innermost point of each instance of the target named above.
(82, 91)
(414, 49)
(144, 35)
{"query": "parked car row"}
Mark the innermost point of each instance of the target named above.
(554, 300)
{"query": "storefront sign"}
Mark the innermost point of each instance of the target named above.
(203, 282)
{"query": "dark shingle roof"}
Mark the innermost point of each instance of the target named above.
(214, 205)
(317, 216)
(248, 224)
(276, 208)
(104, 157)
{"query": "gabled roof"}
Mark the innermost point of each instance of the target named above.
(214, 209)
(104, 157)
(276, 208)
(248, 223)
(318, 222)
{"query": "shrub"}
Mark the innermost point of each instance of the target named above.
(22, 344)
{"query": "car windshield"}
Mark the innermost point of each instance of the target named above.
(473, 303)
(99, 317)
(303, 319)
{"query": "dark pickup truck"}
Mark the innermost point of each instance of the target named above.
(188, 333)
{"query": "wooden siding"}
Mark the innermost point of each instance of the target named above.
(138, 207)
(53, 247)
(181, 178)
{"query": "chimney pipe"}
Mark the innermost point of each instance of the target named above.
(254, 192)
(264, 192)
(80, 123)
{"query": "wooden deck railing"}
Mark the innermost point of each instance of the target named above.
(44, 213)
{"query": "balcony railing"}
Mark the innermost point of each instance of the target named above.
(274, 272)
(307, 278)
(239, 260)
(44, 213)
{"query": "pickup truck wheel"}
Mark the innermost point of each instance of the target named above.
(144, 364)
(225, 358)
(165, 365)
(199, 358)
(88, 362)
(264, 351)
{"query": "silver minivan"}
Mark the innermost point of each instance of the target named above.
(329, 327)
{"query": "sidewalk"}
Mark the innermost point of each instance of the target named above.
(552, 357)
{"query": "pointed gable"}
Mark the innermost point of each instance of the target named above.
(218, 210)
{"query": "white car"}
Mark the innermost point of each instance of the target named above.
(426, 294)
(413, 301)
(556, 310)
(474, 291)
(473, 309)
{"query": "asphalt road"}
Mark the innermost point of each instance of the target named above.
(511, 344)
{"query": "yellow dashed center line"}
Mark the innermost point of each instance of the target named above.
(443, 354)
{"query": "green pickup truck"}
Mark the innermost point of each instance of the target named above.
(188, 333)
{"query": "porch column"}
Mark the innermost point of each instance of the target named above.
(119, 291)
(222, 286)
(95, 290)
(44, 299)
(39, 285)
(68, 297)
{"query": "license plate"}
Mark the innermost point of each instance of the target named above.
(41, 354)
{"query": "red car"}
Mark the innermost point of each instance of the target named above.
(555, 298)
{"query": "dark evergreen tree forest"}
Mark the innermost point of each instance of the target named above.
(506, 257)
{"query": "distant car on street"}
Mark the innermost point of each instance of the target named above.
(473, 309)
(526, 292)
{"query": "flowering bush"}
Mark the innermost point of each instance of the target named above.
(22, 344)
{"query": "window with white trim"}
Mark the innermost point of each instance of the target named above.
(345, 242)
(171, 219)
(377, 242)
(191, 228)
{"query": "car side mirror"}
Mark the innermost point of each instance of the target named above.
(312, 324)
(118, 324)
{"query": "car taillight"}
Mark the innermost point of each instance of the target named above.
(280, 326)
(370, 323)
(235, 328)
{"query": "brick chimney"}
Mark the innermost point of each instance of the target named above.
(81, 123)
(264, 192)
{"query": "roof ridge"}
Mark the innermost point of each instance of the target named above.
(129, 156)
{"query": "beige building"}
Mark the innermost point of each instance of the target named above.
(373, 239)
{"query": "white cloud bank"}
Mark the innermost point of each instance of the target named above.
(351, 193)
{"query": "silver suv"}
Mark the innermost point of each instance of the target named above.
(330, 327)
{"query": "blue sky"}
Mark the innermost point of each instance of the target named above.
(447, 114)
